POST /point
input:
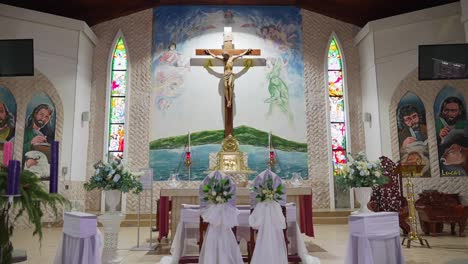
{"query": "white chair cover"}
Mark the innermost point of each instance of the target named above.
(220, 245)
(268, 218)
(81, 241)
(270, 246)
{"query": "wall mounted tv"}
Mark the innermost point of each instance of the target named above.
(16, 57)
(441, 62)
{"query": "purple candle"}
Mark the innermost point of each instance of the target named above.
(13, 180)
(54, 159)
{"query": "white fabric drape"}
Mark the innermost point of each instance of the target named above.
(76, 250)
(374, 238)
(81, 242)
(220, 245)
(302, 250)
(270, 246)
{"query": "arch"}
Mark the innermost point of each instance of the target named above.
(337, 116)
(117, 99)
(412, 132)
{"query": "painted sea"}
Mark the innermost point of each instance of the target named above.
(167, 161)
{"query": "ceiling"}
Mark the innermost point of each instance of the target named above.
(357, 12)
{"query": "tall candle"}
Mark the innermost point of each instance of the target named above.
(54, 160)
(269, 141)
(7, 153)
(189, 141)
(13, 180)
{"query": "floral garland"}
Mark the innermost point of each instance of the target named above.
(217, 191)
(113, 176)
(266, 192)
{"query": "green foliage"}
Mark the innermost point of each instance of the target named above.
(245, 135)
(6, 231)
(359, 172)
(266, 192)
(113, 176)
(33, 199)
(217, 191)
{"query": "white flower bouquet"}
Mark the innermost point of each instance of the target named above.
(359, 172)
(266, 191)
(113, 176)
(217, 191)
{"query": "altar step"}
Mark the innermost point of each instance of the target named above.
(331, 216)
(131, 220)
(321, 216)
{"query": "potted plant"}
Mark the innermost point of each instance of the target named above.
(362, 175)
(33, 198)
(114, 179)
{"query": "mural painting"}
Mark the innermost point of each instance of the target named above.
(7, 116)
(452, 132)
(267, 97)
(39, 133)
(412, 133)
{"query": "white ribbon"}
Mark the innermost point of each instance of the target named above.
(220, 245)
(270, 245)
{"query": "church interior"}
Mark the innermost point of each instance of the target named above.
(234, 131)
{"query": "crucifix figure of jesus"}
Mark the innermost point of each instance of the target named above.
(228, 61)
(228, 55)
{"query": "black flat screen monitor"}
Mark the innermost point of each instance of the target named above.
(16, 57)
(442, 62)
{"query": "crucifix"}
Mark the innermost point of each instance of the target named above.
(228, 55)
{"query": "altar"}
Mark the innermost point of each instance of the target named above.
(171, 200)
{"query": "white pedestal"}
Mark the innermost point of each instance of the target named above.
(111, 227)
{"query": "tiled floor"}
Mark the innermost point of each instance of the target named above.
(332, 238)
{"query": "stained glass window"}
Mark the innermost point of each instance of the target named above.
(336, 89)
(336, 103)
(118, 91)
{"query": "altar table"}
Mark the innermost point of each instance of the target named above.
(172, 199)
(374, 238)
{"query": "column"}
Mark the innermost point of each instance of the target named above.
(111, 227)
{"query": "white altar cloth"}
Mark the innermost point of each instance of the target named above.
(187, 232)
(374, 238)
(81, 241)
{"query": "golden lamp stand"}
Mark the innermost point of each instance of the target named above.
(408, 172)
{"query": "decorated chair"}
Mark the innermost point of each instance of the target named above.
(389, 197)
(268, 233)
(436, 208)
(218, 221)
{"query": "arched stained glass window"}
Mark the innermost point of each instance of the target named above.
(118, 92)
(337, 114)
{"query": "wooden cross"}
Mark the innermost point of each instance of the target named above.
(228, 55)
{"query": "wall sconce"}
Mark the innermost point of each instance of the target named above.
(368, 118)
(85, 116)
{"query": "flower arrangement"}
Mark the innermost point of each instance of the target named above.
(359, 172)
(217, 191)
(266, 192)
(113, 176)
